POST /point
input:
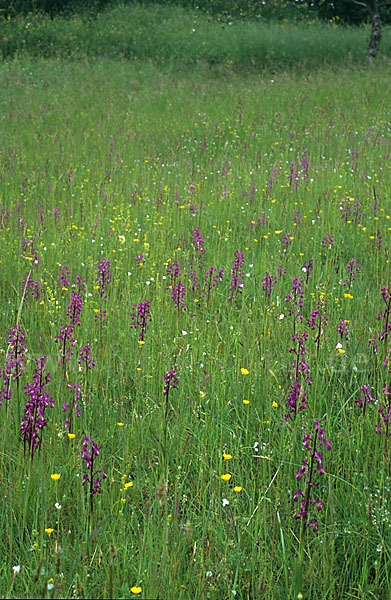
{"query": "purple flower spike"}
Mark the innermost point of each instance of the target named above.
(343, 329)
(104, 275)
(307, 269)
(287, 241)
(170, 381)
(199, 242)
(30, 287)
(236, 284)
(351, 212)
(327, 240)
(63, 280)
(101, 318)
(34, 414)
(74, 308)
(85, 356)
(211, 282)
(364, 399)
(296, 401)
(65, 352)
(178, 295)
(351, 268)
(297, 397)
(295, 300)
(312, 464)
(173, 272)
(29, 252)
(267, 283)
(141, 317)
(294, 176)
(271, 181)
(13, 364)
(89, 452)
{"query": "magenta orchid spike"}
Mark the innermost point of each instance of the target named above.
(311, 468)
(364, 399)
(39, 400)
(351, 268)
(141, 317)
(178, 295)
(236, 283)
(14, 367)
(63, 279)
(85, 357)
(104, 276)
(89, 453)
(170, 382)
(268, 283)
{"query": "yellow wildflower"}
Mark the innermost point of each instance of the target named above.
(136, 589)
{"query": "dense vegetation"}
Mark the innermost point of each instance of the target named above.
(346, 11)
(195, 297)
(168, 35)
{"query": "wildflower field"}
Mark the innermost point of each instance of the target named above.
(195, 306)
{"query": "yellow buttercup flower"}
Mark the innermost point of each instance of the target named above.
(238, 488)
(136, 589)
(226, 477)
(55, 476)
(244, 371)
(227, 456)
(49, 530)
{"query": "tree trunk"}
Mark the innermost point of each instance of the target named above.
(374, 42)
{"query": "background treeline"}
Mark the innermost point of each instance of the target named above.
(343, 11)
(174, 36)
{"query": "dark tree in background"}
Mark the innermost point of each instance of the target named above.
(353, 12)
(373, 8)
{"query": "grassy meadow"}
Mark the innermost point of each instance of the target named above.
(173, 36)
(195, 301)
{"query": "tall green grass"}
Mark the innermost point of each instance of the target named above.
(167, 35)
(135, 157)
